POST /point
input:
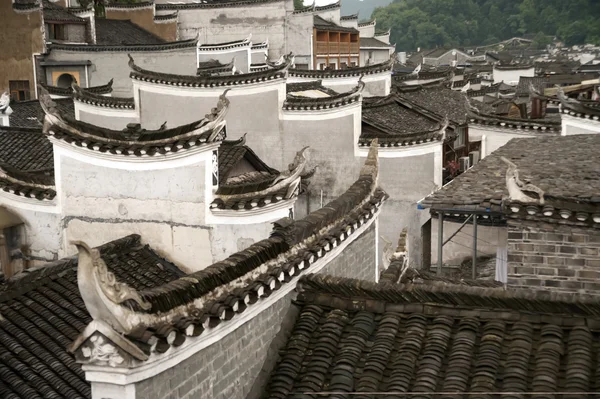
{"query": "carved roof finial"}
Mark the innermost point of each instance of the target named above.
(516, 187)
(100, 290)
(4, 101)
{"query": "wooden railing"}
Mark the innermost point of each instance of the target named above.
(328, 48)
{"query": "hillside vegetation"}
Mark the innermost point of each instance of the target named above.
(462, 23)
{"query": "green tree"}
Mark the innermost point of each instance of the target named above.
(430, 23)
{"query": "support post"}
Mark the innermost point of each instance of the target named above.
(474, 247)
(440, 241)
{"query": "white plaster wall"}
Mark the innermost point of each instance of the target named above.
(511, 77)
(42, 230)
(299, 37)
(108, 65)
(494, 138)
(220, 25)
(379, 55)
(367, 31)
(242, 57)
(105, 117)
(229, 239)
(573, 125)
(165, 206)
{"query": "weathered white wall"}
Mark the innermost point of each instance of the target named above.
(107, 65)
(511, 77)
(332, 15)
(229, 239)
(165, 206)
(220, 25)
(493, 137)
(254, 109)
(379, 55)
(105, 117)
(40, 234)
(367, 30)
(573, 125)
(299, 37)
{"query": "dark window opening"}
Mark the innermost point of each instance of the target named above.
(19, 90)
(56, 32)
(65, 80)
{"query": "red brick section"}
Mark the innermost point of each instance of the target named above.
(553, 257)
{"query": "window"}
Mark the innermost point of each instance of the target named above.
(344, 65)
(56, 32)
(332, 65)
(353, 64)
(370, 55)
(460, 138)
(19, 90)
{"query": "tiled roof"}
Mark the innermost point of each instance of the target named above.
(303, 103)
(56, 13)
(29, 114)
(323, 24)
(539, 83)
(546, 125)
(371, 42)
(135, 141)
(361, 337)
(394, 124)
(88, 97)
(215, 67)
(344, 73)
(307, 86)
(276, 72)
(213, 4)
(111, 32)
(43, 312)
(26, 150)
(231, 153)
(26, 5)
(565, 167)
(219, 292)
(440, 100)
(68, 91)
(26, 163)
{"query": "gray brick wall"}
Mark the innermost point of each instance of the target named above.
(231, 367)
(557, 258)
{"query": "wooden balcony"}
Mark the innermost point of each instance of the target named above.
(336, 48)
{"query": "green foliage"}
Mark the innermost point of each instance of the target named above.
(433, 23)
(298, 4)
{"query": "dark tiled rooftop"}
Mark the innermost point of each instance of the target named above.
(390, 115)
(43, 312)
(323, 24)
(56, 13)
(565, 167)
(372, 42)
(440, 100)
(25, 149)
(123, 32)
(29, 114)
(356, 336)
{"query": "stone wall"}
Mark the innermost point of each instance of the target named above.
(229, 368)
(557, 258)
(76, 33)
(21, 35)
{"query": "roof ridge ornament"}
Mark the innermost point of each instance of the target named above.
(101, 292)
(4, 102)
(516, 187)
